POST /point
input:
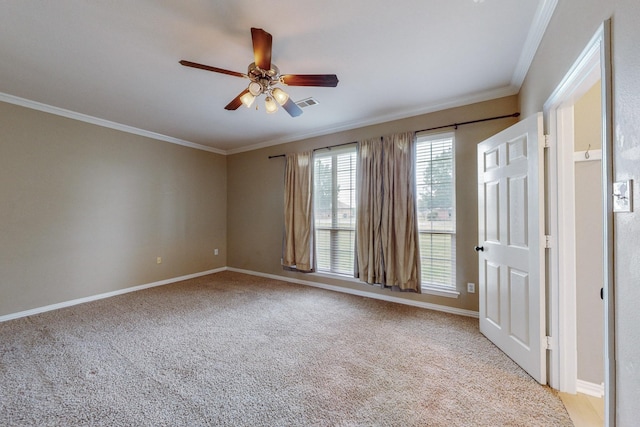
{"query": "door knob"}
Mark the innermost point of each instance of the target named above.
(479, 248)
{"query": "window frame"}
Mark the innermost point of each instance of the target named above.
(334, 228)
(450, 290)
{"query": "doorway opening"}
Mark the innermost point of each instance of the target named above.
(580, 223)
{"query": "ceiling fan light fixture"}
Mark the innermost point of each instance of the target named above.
(247, 99)
(255, 88)
(270, 105)
(281, 96)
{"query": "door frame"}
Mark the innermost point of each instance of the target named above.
(593, 63)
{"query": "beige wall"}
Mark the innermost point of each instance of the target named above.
(256, 196)
(588, 120)
(572, 26)
(626, 158)
(86, 210)
(589, 271)
(589, 229)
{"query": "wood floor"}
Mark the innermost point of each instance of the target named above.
(584, 410)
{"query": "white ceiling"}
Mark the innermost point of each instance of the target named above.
(115, 63)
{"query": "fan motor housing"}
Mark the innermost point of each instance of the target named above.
(261, 80)
(257, 72)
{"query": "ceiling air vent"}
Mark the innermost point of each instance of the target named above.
(307, 102)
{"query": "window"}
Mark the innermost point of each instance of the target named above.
(436, 210)
(334, 182)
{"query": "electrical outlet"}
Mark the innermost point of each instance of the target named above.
(215, 251)
(159, 260)
(471, 288)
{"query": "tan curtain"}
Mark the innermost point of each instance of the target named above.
(399, 227)
(369, 184)
(387, 231)
(298, 247)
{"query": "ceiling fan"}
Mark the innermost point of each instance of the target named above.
(265, 77)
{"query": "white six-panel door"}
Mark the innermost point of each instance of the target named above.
(511, 243)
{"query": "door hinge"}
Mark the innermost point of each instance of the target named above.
(547, 241)
(547, 141)
(549, 343)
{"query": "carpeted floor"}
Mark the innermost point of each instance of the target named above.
(235, 350)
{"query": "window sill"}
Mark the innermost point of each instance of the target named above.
(429, 290)
(440, 292)
(338, 276)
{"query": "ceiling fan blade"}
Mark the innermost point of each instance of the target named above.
(261, 48)
(233, 105)
(210, 68)
(323, 80)
(292, 108)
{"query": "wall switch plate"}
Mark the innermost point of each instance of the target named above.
(471, 288)
(159, 260)
(622, 196)
(215, 252)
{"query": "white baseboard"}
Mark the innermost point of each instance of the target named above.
(390, 298)
(592, 389)
(105, 295)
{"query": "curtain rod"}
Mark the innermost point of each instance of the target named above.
(455, 125)
(452, 125)
(321, 148)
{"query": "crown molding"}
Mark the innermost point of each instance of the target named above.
(11, 99)
(439, 106)
(534, 38)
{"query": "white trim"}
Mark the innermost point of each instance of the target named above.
(558, 109)
(389, 298)
(610, 373)
(437, 307)
(104, 123)
(584, 73)
(566, 248)
(534, 37)
(579, 156)
(105, 295)
(451, 103)
(592, 389)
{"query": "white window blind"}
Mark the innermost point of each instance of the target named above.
(436, 209)
(334, 183)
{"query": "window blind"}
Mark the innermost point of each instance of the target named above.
(335, 209)
(436, 209)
